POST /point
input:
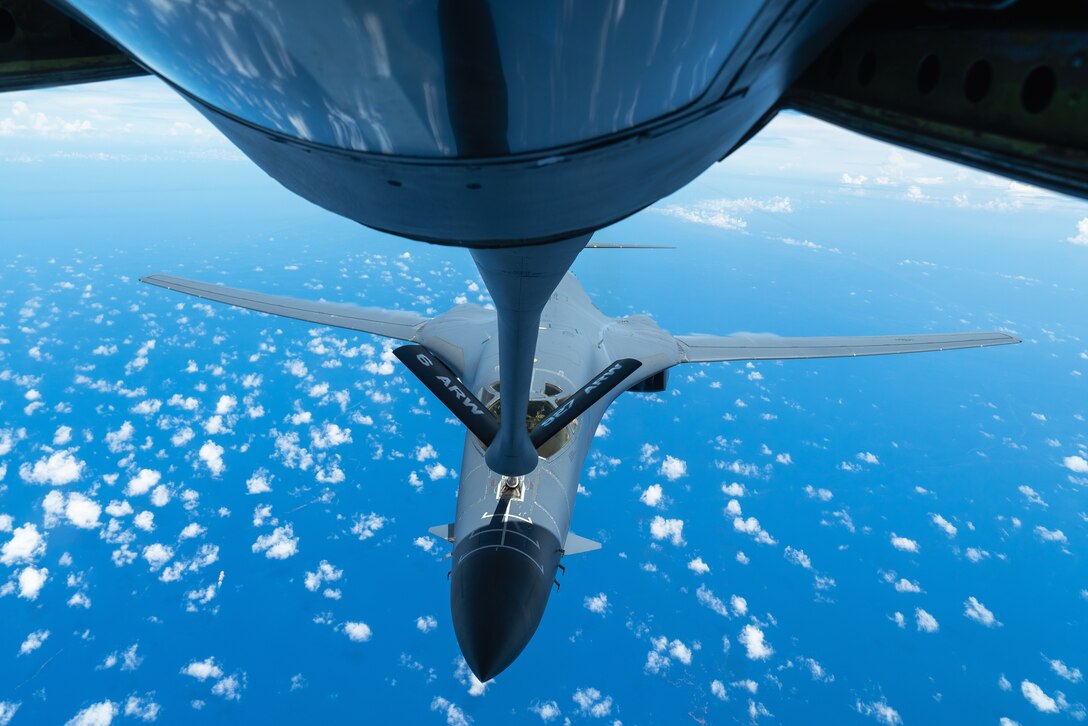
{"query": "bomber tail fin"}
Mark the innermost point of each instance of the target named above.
(442, 531)
(576, 545)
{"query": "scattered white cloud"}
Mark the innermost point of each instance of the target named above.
(57, 469)
(62, 436)
(664, 652)
(668, 529)
(144, 480)
(157, 555)
(191, 531)
(357, 631)
(1051, 535)
(211, 454)
(1031, 495)
(1038, 698)
(97, 714)
(366, 526)
(698, 566)
(143, 708)
(867, 457)
(597, 603)
(750, 526)
(144, 520)
(881, 711)
(1075, 463)
(905, 585)
(925, 622)
(203, 670)
(31, 580)
(425, 453)
(33, 641)
(329, 436)
(944, 524)
(755, 643)
(591, 702)
(976, 555)
(652, 495)
(1081, 237)
(904, 544)
(82, 511)
(797, 557)
(466, 677)
(229, 687)
(673, 468)
(974, 610)
(1073, 675)
(724, 213)
(259, 483)
(707, 598)
(733, 489)
(547, 711)
(279, 545)
(324, 573)
(454, 715)
(26, 545)
(436, 471)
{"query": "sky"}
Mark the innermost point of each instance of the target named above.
(216, 515)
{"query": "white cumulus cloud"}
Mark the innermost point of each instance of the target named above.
(652, 495)
(142, 483)
(597, 603)
(33, 641)
(926, 622)
(31, 580)
(944, 524)
(670, 529)
(755, 643)
(974, 610)
(279, 545)
(82, 511)
(58, 469)
(97, 714)
(26, 545)
(904, 544)
(673, 468)
(211, 454)
(1077, 464)
(358, 632)
(1038, 698)
(1081, 237)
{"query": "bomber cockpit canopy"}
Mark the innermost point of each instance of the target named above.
(541, 405)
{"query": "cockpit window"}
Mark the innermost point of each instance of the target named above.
(539, 409)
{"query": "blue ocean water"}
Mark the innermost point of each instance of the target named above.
(845, 466)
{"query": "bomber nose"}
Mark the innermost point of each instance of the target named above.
(501, 581)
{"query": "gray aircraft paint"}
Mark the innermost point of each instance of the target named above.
(506, 550)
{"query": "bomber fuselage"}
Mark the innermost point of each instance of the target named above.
(510, 532)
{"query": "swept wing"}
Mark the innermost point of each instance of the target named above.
(752, 346)
(398, 324)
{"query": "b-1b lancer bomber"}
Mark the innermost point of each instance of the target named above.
(512, 530)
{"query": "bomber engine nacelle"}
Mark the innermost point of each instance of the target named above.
(657, 383)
